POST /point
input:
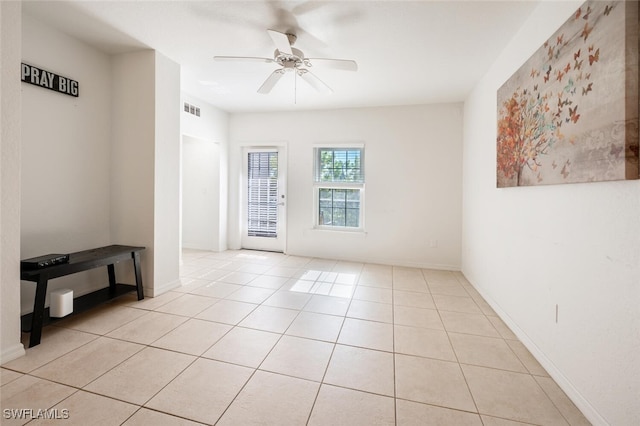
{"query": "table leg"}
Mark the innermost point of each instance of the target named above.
(136, 268)
(112, 278)
(38, 312)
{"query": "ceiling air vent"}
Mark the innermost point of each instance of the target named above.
(192, 109)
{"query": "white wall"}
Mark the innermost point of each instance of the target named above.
(145, 164)
(65, 155)
(102, 168)
(200, 194)
(166, 174)
(577, 246)
(133, 155)
(413, 180)
(10, 129)
(204, 177)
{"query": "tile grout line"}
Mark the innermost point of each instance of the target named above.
(282, 334)
(255, 370)
(455, 354)
(393, 336)
(324, 375)
(267, 355)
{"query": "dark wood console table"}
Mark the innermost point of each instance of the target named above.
(81, 261)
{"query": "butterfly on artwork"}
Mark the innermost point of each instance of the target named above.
(595, 57)
(586, 15)
(586, 31)
(607, 9)
(565, 169)
(573, 114)
(587, 89)
(547, 74)
(616, 150)
(562, 102)
(570, 87)
(578, 64)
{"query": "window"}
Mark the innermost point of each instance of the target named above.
(262, 194)
(339, 187)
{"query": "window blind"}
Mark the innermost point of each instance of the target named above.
(262, 212)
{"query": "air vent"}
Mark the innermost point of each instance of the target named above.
(192, 109)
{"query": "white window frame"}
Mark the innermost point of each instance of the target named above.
(317, 185)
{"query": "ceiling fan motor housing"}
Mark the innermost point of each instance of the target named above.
(295, 60)
(292, 38)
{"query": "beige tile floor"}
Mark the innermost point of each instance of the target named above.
(263, 338)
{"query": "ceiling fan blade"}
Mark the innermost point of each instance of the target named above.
(339, 64)
(314, 81)
(241, 58)
(306, 7)
(281, 41)
(271, 81)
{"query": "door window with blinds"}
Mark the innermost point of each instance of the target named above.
(339, 187)
(262, 194)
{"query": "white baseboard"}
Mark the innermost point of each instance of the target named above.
(157, 291)
(381, 261)
(11, 353)
(563, 382)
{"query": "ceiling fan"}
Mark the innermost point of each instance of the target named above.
(293, 60)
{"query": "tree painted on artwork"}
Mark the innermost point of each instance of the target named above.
(531, 120)
(523, 131)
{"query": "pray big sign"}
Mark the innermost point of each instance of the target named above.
(48, 80)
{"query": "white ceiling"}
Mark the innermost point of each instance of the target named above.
(408, 52)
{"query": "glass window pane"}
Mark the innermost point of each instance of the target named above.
(353, 195)
(353, 217)
(338, 217)
(339, 165)
(339, 207)
(325, 216)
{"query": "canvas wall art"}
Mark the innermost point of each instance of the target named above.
(570, 113)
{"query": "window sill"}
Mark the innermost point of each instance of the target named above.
(355, 232)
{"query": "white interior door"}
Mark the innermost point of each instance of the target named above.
(264, 201)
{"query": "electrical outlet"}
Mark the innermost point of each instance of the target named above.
(433, 243)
